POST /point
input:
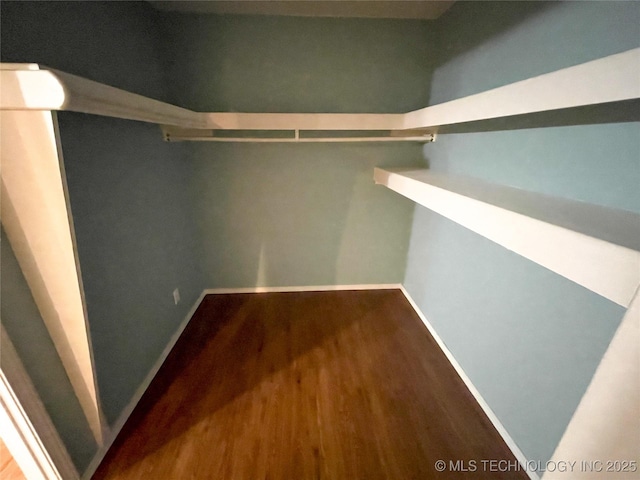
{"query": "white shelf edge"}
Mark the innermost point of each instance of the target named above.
(304, 121)
(27, 428)
(606, 422)
(37, 221)
(609, 79)
(29, 89)
(608, 269)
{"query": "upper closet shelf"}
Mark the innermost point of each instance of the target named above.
(27, 87)
(610, 79)
(606, 80)
(594, 246)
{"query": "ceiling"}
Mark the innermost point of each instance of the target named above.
(425, 10)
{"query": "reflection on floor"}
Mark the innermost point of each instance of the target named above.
(334, 385)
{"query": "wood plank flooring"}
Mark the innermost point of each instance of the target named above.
(312, 385)
(9, 469)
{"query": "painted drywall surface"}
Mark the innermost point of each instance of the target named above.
(292, 64)
(596, 164)
(109, 42)
(132, 212)
(592, 163)
(484, 45)
(308, 214)
(128, 189)
(528, 339)
(276, 215)
(24, 325)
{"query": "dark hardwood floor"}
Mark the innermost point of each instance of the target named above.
(313, 385)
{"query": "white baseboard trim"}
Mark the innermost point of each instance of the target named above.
(124, 416)
(126, 413)
(476, 394)
(128, 410)
(304, 288)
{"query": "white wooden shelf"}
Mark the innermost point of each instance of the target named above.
(38, 222)
(606, 80)
(27, 87)
(594, 246)
(609, 79)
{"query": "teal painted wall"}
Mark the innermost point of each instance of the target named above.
(298, 64)
(591, 163)
(136, 239)
(528, 339)
(22, 321)
(148, 214)
(299, 214)
(129, 191)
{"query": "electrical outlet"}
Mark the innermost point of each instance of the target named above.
(176, 296)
